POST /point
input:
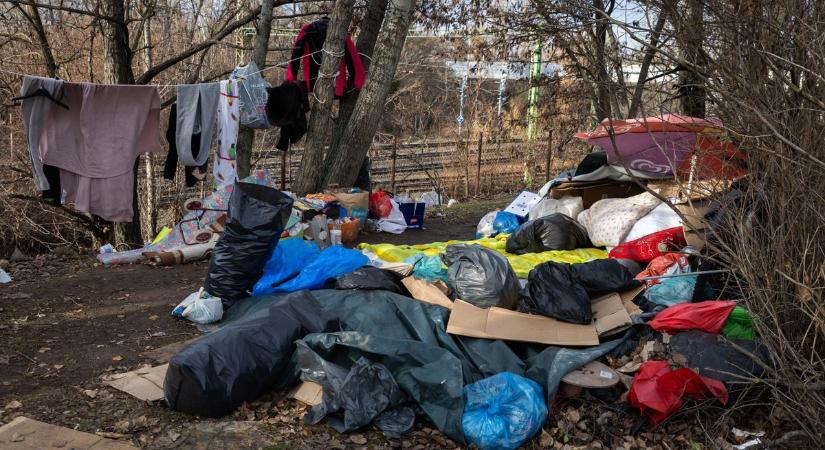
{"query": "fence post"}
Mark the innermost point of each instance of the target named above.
(549, 153)
(394, 156)
(284, 162)
(478, 164)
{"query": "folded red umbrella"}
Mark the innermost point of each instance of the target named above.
(657, 391)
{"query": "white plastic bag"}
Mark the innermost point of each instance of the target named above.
(395, 222)
(430, 199)
(485, 225)
(253, 95)
(4, 277)
(200, 307)
(569, 206)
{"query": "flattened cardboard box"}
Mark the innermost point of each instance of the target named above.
(426, 292)
(23, 433)
(497, 323)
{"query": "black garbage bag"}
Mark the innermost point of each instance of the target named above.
(237, 363)
(366, 393)
(481, 276)
(256, 218)
(563, 291)
(715, 358)
(370, 277)
(553, 232)
(591, 162)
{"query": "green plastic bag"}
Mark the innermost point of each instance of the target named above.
(739, 324)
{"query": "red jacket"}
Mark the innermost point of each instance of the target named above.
(306, 52)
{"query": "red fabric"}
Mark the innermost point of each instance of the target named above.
(657, 391)
(714, 159)
(662, 265)
(709, 316)
(358, 75)
(648, 247)
(668, 122)
(292, 65)
(380, 204)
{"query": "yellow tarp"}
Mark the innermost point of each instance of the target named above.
(522, 264)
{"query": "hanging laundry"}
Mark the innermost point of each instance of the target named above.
(307, 52)
(197, 107)
(228, 122)
(35, 110)
(95, 142)
(193, 174)
(253, 89)
(286, 107)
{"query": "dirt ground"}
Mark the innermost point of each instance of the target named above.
(65, 321)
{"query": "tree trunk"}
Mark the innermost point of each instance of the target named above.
(603, 97)
(151, 195)
(365, 45)
(650, 52)
(320, 121)
(369, 108)
(246, 136)
(691, 83)
(117, 65)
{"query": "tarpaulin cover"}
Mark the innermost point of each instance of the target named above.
(481, 276)
(505, 222)
(369, 277)
(564, 291)
(739, 324)
(503, 411)
(657, 391)
(287, 260)
(365, 393)
(651, 246)
(553, 232)
(193, 223)
(521, 264)
(657, 145)
(331, 263)
(257, 216)
(241, 360)
(713, 356)
(432, 367)
(709, 316)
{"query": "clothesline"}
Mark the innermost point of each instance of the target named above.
(272, 67)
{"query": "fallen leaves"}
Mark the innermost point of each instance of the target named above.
(358, 439)
(14, 404)
(117, 358)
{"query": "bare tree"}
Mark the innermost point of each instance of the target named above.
(369, 108)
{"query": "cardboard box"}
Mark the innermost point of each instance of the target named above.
(522, 204)
(144, 384)
(609, 313)
(427, 292)
(695, 223)
(593, 191)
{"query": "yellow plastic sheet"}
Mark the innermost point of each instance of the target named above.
(522, 264)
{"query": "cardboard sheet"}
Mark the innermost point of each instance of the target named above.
(308, 392)
(426, 292)
(144, 384)
(609, 313)
(498, 323)
(23, 433)
(627, 299)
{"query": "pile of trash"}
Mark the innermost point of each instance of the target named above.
(332, 218)
(598, 283)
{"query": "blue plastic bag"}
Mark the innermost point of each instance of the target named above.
(289, 257)
(505, 222)
(428, 268)
(671, 291)
(503, 411)
(331, 263)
